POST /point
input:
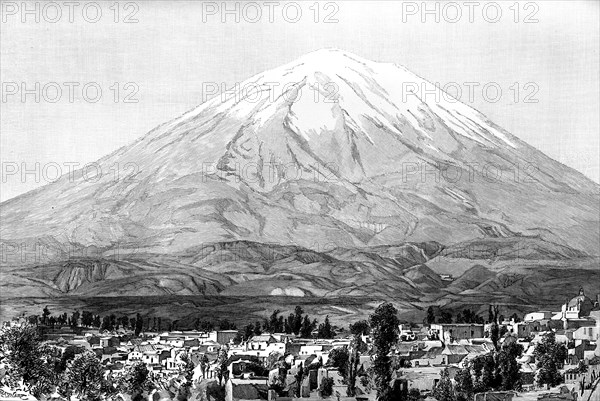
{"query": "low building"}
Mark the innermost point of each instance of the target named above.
(449, 332)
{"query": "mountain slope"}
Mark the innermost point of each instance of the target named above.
(367, 162)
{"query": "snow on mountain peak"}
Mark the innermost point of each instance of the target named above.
(324, 87)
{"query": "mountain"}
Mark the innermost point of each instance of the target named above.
(354, 159)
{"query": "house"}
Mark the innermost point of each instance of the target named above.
(538, 316)
(109, 341)
(454, 353)
(224, 337)
(589, 333)
(138, 351)
(449, 332)
(264, 345)
(155, 357)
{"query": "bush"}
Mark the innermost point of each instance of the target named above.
(326, 388)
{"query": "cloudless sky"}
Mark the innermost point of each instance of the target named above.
(175, 47)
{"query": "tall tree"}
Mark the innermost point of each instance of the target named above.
(508, 367)
(45, 315)
(274, 322)
(464, 384)
(430, 315)
(139, 324)
(257, 329)
(307, 327)
(75, 319)
(444, 390)
(221, 365)
(297, 324)
(384, 329)
(248, 331)
(550, 357)
(106, 324)
(325, 329)
(87, 318)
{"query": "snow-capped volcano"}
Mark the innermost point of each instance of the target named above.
(331, 150)
(343, 109)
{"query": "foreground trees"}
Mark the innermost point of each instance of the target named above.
(30, 364)
(384, 329)
(550, 357)
(84, 378)
(135, 381)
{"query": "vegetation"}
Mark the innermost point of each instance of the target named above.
(444, 391)
(326, 387)
(135, 381)
(550, 357)
(29, 363)
(384, 329)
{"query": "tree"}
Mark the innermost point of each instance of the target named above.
(257, 330)
(339, 358)
(106, 324)
(464, 384)
(326, 387)
(414, 394)
(45, 315)
(248, 331)
(221, 365)
(508, 367)
(550, 357)
(485, 373)
(430, 315)
(204, 364)
(124, 322)
(226, 325)
(443, 391)
(75, 319)
(360, 328)
(325, 329)
(84, 377)
(28, 360)
(274, 325)
(186, 368)
(307, 327)
(446, 317)
(135, 381)
(384, 326)
(87, 318)
(297, 323)
(139, 324)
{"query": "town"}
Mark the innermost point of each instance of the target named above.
(544, 355)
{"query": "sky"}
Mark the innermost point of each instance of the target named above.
(131, 66)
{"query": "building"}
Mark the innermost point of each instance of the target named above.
(226, 336)
(575, 313)
(449, 332)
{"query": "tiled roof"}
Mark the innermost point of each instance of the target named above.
(144, 348)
